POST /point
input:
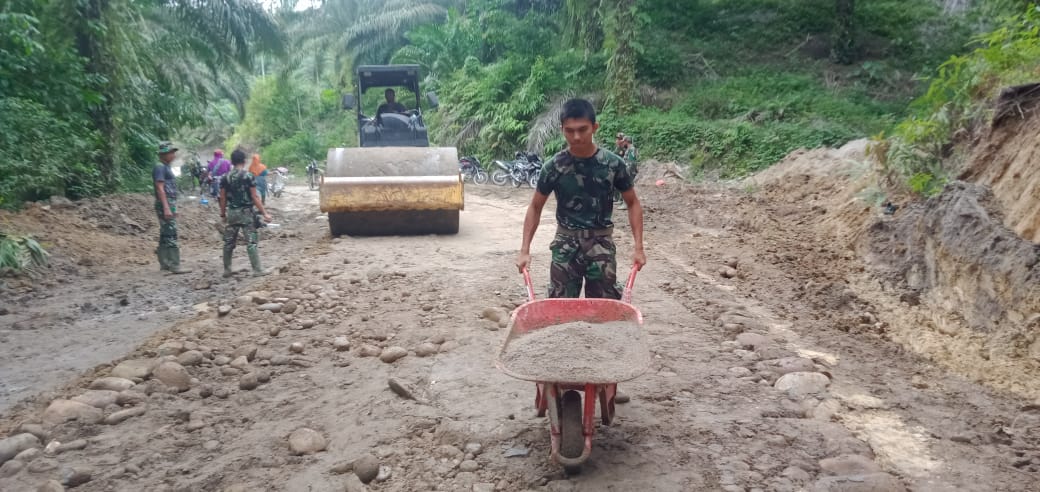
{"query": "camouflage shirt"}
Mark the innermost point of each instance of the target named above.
(239, 184)
(584, 187)
(162, 173)
(631, 154)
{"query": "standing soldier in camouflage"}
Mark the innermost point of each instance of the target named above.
(631, 156)
(166, 208)
(237, 198)
(584, 178)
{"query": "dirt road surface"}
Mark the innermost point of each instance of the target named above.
(757, 380)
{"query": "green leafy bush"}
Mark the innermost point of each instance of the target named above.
(960, 97)
(20, 254)
(43, 155)
(728, 148)
(741, 124)
(294, 152)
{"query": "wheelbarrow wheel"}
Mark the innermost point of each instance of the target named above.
(572, 439)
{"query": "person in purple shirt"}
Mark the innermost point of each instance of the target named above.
(218, 167)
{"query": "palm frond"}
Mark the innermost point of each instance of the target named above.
(21, 254)
(546, 125)
(374, 36)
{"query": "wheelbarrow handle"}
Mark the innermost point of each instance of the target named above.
(528, 284)
(626, 297)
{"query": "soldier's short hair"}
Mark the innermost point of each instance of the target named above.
(576, 109)
(238, 157)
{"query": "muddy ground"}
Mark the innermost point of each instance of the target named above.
(739, 291)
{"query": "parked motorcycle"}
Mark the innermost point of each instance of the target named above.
(313, 175)
(471, 170)
(524, 168)
(277, 181)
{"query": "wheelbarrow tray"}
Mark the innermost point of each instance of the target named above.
(539, 314)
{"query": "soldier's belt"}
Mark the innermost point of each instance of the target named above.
(584, 233)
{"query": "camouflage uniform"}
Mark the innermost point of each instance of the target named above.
(238, 185)
(168, 251)
(583, 250)
(632, 160)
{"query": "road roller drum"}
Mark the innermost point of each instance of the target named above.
(392, 190)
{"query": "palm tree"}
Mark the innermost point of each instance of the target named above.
(584, 23)
(364, 31)
(621, 68)
(843, 48)
(156, 63)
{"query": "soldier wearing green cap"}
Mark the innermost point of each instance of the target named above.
(166, 208)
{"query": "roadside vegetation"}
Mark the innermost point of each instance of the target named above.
(927, 148)
(724, 87)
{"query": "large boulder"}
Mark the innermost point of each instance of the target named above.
(869, 482)
(802, 384)
(11, 446)
(112, 384)
(306, 441)
(133, 369)
(61, 411)
(97, 398)
(173, 375)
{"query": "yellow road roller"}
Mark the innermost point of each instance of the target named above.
(394, 183)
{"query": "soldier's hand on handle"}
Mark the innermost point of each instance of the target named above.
(523, 260)
(267, 217)
(639, 259)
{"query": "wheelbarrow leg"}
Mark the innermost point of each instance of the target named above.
(606, 403)
(540, 402)
(550, 395)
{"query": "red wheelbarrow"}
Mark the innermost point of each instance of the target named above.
(571, 404)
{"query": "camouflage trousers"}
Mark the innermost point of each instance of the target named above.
(244, 220)
(587, 258)
(167, 228)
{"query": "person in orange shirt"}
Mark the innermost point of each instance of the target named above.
(259, 170)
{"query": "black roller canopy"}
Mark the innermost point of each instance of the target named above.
(369, 76)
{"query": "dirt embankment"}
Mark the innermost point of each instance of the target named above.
(1006, 160)
(956, 276)
(110, 231)
(978, 282)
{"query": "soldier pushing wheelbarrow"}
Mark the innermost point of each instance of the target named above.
(584, 178)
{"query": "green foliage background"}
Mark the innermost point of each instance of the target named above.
(925, 148)
(725, 87)
(89, 87)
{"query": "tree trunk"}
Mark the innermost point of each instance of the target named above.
(843, 49)
(584, 24)
(621, 68)
(90, 46)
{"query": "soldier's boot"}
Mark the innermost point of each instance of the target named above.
(227, 264)
(174, 260)
(164, 263)
(254, 261)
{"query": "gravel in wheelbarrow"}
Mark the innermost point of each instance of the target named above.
(580, 352)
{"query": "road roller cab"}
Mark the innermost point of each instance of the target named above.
(395, 183)
(393, 128)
